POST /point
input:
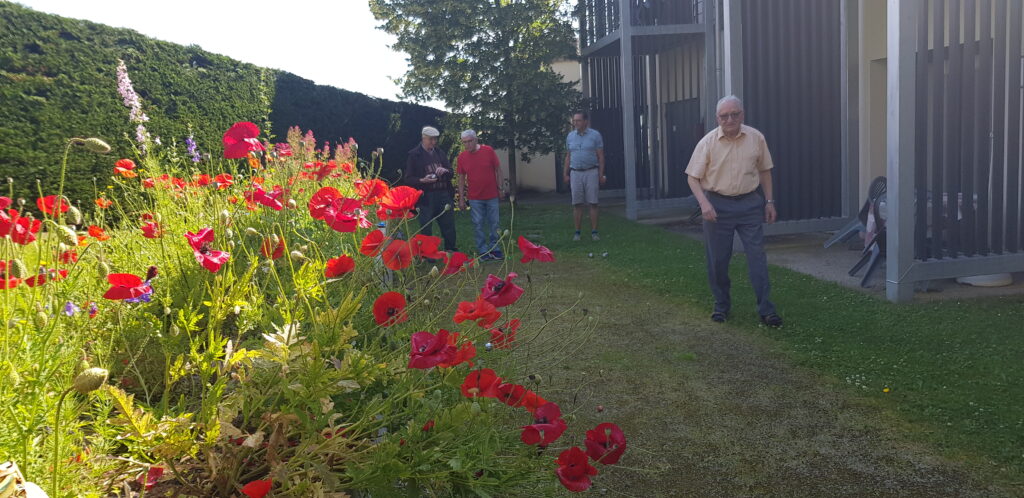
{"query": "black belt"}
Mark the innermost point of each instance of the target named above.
(734, 197)
(583, 169)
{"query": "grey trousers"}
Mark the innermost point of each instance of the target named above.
(745, 217)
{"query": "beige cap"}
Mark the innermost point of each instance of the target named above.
(430, 131)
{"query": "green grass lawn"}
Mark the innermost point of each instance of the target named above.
(949, 372)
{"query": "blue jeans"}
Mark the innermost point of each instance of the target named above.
(484, 215)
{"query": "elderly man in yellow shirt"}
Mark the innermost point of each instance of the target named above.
(730, 174)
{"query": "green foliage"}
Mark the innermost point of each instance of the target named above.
(490, 61)
(58, 80)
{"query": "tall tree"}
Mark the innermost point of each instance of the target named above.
(489, 60)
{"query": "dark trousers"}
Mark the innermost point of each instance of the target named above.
(743, 216)
(431, 207)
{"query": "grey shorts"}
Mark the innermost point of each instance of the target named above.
(584, 185)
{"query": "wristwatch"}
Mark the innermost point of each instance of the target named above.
(770, 201)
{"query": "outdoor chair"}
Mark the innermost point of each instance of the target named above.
(874, 249)
(856, 225)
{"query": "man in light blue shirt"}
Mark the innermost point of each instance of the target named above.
(584, 170)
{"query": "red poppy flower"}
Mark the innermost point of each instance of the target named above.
(516, 395)
(344, 215)
(21, 230)
(126, 286)
(347, 167)
(322, 200)
(426, 246)
(49, 205)
(483, 383)
(503, 336)
(533, 251)
(389, 309)
(151, 230)
(270, 199)
(339, 266)
(269, 250)
(241, 139)
(321, 170)
(151, 477)
(455, 262)
(68, 257)
(574, 470)
(200, 243)
(104, 203)
(5, 201)
(605, 443)
(370, 191)
(398, 202)
(149, 183)
(124, 168)
(464, 353)
(428, 350)
(398, 255)
(372, 243)
(257, 489)
(201, 179)
(547, 426)
(500, 292)
(429, 425)
(480, 311)
(98, 233)
(223, 181)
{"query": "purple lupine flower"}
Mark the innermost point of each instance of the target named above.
(193, 150)
(127, 91)
(71, 308)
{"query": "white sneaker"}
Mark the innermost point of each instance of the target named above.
(594, 236)
(576, 237)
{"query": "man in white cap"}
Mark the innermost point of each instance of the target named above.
(478, 166)
(427, 169)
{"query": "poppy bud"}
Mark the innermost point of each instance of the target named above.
(536, 379)
(13, 379)
(512, 199)
(292, 203)
(41, 320)
(73, 215)
(225, 217)
(151, 272)
(104, 270)
(434, 271)
(304, 248)
(298, 255)
(231, 244)
(167, 310)
(16, 268)
(275, 239)
(63, 233)
(447, 207)
(506, 233)
(90, 380)
(174, 330)
(474, 408)
(21, 201)
(229, 233)
(252, 232)
(96, 145)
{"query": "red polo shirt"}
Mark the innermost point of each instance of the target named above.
(479, 168)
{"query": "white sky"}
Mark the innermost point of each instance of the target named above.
(332, 42)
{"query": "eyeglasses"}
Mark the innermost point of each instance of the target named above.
(468, 140)
(730, 115)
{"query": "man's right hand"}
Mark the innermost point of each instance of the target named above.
(567, 178)
(462, 205)
(707, 211)
(428, 179)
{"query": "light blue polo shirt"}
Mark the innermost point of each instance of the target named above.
(583, 148)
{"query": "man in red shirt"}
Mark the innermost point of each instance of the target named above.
(478, 166)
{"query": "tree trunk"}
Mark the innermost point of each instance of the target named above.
(513, 183)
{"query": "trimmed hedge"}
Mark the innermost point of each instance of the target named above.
(58, 80)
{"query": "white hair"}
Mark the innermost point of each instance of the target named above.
(469, 134)
(726, 100)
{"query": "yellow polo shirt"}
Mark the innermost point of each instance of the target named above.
(730, 166)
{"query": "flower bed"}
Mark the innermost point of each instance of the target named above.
(270, 322)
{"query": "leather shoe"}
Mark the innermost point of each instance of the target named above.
(718, 317)
(772, 320)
